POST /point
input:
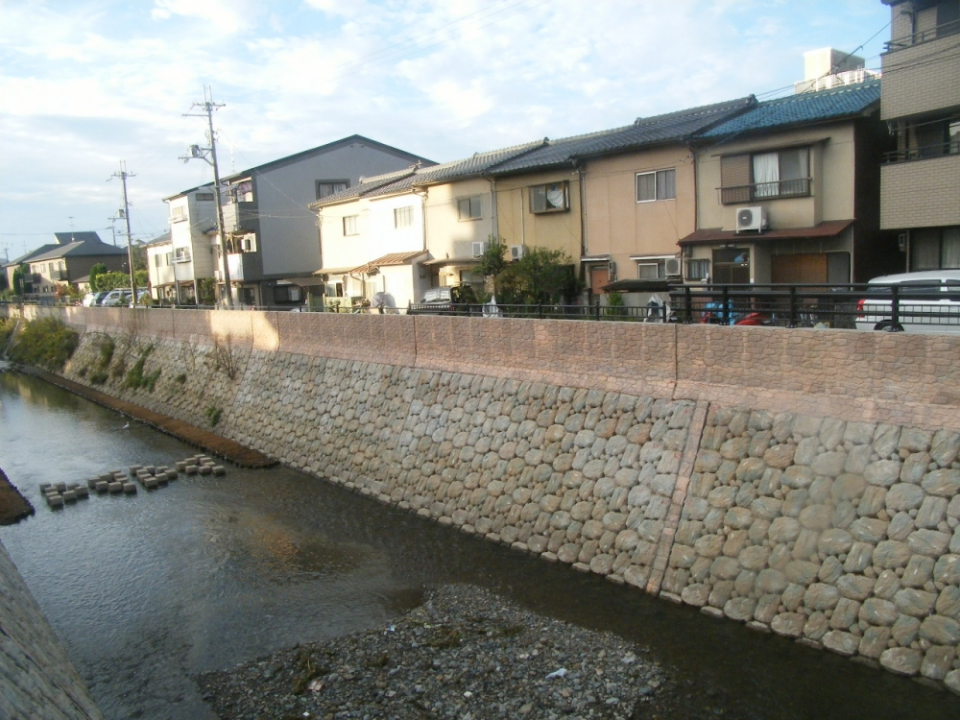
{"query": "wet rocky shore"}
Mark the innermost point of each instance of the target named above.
(464, 653)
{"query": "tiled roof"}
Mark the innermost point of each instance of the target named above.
(810, 107)
(474, 165)
(32, 254)
(400, 258)
(670, 127)
(84, 248)
(65, 238)
(365, 187)
(825, 229)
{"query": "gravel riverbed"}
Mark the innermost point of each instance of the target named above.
(464, 653)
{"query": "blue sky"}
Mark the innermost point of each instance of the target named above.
(88, 84)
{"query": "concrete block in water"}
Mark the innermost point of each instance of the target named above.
(150, 483)
(55, 501)
(61, 486)
(107, 477)
(129, 488)
(172, 474)
(192, 470)
(219, 470)
(81, 492)
(205, 469)
(45, 486)
(92, 482)
(69, 496)
(102, 486)
(180, 466)
(115, 487)
(134, 468)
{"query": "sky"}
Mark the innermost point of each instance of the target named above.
(86, 85)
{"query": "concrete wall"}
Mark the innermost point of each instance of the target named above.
(920, 79)
(37, 679)
(802, 482)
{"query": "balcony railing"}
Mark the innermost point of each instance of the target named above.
(944, 30)
(185, 258)
(922, 153)
(60, 274)
(739, 194)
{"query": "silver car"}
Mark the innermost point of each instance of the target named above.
(927, 302)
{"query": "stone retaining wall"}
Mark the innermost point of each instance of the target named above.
(802, 482)
(37, 678)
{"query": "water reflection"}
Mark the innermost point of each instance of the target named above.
(147, 591)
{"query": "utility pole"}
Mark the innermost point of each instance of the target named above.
(196, 151)
(123, 175)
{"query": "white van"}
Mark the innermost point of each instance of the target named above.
(928, 302)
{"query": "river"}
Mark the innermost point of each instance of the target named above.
(147, 591)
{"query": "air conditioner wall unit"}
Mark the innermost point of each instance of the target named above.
(671, 267)
(517, 251)
(752, 219)
(479, 248)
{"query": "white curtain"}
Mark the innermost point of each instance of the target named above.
(766, 174)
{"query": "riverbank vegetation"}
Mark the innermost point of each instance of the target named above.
(46, 343)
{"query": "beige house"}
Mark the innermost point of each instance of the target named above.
(920, 102)
(640, 194)
(787, 193)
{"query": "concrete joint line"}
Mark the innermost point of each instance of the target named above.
(694, 436)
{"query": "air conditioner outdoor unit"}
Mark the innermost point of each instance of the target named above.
(479, 248)
(517, 251)
(751, 218)
(671, 267)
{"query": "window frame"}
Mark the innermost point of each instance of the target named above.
(703, 264)
(656, 185)
(535, 191)
(403, 217)
(351, 225)
(344, 182)
(470, 217)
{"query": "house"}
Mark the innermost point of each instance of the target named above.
(639, 194)
(446, 212)
(272, 237)
(920, 103)
(192, 215)
(787, 192)
(161, 270)
(68, 261)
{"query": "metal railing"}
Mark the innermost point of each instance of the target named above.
(734, 194)
(925, 152)
(944, 30)
(864, 306)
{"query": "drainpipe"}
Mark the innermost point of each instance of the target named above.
(583, 217)
(696, 206)
(494, 216)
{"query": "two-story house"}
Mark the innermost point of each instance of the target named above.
(787, 192)
(639, 194)
(920, 102)
(69, 261)
(271, 234)
(193, 223)
(161, 272)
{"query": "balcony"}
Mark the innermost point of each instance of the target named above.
(62, 275)
(924, 36)
(919, 79)
(922, 153)
(919, 194)
(238, 217)
(739, 194)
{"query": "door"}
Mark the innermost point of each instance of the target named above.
(599, 277)
(797, 269)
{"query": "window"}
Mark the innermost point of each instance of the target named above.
(242, 191)
(554, 197)
(350, 225)
(935, 248)
(658, 185)
(698, 269)
(731, 265)
(286, 293)
(177, 212)
(783, 173)
(650, 270)
(248, 243)
(767, 175)
(205, 197)
(181, 254)
(403, 216)
(470, 208)
(326, 188)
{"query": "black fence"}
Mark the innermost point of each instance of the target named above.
(911, 307)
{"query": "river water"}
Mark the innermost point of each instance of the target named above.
(149, 590)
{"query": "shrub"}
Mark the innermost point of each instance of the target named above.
(46, 343)
(213, 415)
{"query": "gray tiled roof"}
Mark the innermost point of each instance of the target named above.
(84, 248)
(810, 107)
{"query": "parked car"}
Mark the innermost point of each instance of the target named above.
(92, 299)
(927, 302)
(452, 300)
(121, 297)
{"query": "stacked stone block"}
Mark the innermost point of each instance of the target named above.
(842, 534)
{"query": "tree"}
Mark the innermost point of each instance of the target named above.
(95, 272)
(493, 261)
(540, 277)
